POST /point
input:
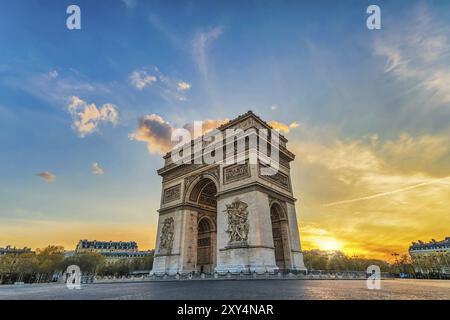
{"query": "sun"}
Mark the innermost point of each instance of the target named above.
(329, 244)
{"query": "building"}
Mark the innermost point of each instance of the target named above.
(222, 217)
(14, 250)
(112, 251)
(431, 257)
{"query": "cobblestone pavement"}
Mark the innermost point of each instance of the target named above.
(235, 290)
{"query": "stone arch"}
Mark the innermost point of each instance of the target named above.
(202, 195)
(280, 234)
(280, 210)
(195, 182)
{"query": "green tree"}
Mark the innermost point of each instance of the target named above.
(50, 261)
(90, 262)
(25, 266)
(7, 264)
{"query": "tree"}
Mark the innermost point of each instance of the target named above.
(338, 261)
(25, 266)
(50, 260)
(7, 262)
(90, 262)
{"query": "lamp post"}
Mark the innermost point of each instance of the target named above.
(395, 255)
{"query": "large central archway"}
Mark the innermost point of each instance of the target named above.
(204, 195)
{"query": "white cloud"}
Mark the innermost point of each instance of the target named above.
(47, 176)
(294, 125)
(96, 169)
(183, 86)
(141, 79)
(53, 74)
(274, 107)
(87, 117)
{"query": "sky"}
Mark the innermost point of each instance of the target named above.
(85, 115)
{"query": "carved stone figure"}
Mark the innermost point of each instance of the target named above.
(238, 225)
(167, 234)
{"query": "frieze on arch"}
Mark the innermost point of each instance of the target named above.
(172, 193)
(236, 172)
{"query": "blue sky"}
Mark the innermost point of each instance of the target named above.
(312, 63)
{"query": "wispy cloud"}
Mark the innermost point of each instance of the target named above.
(130, 3)
(96, 169)
(56, 87)
(141, 79)
(171, 36)
(47, 176)
(53, 74)
(419, 52)
(388, 193)
(86, 117)
(167, 87)
(200, 45)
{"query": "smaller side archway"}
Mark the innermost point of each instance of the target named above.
(206, 245)
(280, 234)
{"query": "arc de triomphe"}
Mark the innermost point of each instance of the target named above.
(220, 218)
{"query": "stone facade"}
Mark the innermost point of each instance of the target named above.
(431, 257)
(113, 251)
(228, 218)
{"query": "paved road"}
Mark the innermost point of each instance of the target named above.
(235, 290)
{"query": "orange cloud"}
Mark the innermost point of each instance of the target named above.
(47, 176)
(282, 127)
(157, 132)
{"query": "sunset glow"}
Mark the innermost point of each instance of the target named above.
(87, 115)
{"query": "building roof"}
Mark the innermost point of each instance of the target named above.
(14, 250)
(433, 244)
(107, 244)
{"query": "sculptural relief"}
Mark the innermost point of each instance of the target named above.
(167, 235)
(238, 225)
